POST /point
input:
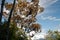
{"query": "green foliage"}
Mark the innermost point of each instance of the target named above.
(3, 31)
(57, 35)
(14, 32)
(53, 35)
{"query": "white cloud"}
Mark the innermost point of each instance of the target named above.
(39, 36)
(46, 3)
(57, 19)
(51, 18)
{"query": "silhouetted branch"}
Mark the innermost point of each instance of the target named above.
(8, 23)
(2, 5)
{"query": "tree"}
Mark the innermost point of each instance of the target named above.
(16, 33)
(22, 18)
(49, 36)
(2, 5)
(8, 23)
(22, 11)
(9, 20)
(55, 35)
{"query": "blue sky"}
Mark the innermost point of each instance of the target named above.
(50, 18)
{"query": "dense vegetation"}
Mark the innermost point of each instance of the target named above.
(53, 35)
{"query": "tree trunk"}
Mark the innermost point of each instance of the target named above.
(8, 23)
(2, 5)
(1, 12)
